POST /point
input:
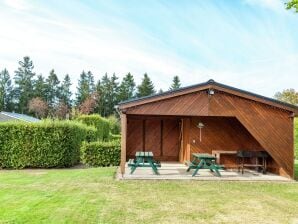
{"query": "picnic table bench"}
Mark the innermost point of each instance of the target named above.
(203, 161)
(143, 159)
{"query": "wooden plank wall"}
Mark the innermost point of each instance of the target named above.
(156, 134)
(271, 127)
(223, 133)
(193, 104)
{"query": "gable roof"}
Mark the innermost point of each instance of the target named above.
(16, 116)
(210, 84)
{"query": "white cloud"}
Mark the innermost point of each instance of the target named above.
(275, 5)
(17, 4)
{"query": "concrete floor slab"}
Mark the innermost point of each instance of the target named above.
(177, 171)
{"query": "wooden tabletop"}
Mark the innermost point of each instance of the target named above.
(203, 156)
(144, 154)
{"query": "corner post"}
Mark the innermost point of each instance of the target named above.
(123, 142)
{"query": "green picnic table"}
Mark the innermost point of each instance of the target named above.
(203, 161)
(143, 159)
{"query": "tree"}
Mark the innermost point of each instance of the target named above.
(24, 84)
(6, 93)
(88, 106)
(61, 110)
(85, 87)
(52, 89)
(109, 88)
(176, 83)
(293, 4)
(146, 88)
(127, 88)
(40, 88)
(65, 92)
(39, 107)
(287, 95)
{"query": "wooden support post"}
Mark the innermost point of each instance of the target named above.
(123, 142)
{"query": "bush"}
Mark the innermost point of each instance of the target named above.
(100, 123)
(114, 125)
(42, 145)
(115, 137)
(101, 153)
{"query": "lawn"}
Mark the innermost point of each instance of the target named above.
(94, 196)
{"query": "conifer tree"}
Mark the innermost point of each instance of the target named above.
(23, 90)
(176, 83)
(146, 88)
(127, 88)
(65, 92)
(40, 88)
(85, 87)
(52, 86)
(6, 93)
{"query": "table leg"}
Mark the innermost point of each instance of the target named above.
(200, 165)
(133, 168)
(154, 168)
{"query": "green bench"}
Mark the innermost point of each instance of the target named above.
(143, 159)
(203, 161)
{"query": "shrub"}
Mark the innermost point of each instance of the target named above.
(101, 153)
(42, 145)
(100, 123)
(114, 124)
(115, 137)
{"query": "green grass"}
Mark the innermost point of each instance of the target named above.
(94, 196)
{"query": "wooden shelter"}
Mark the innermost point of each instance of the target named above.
(206, 117)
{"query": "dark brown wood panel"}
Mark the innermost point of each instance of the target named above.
(153, 136)
(134, 140)
(170, 139)
(221, 133)
(271, 127)
(188, 105)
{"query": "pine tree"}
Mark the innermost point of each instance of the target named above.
(40, 88)
(65, 92)
(6, 93)
(52, 86)
(108, 96)
(176, 83)
(146, 88)
(85, 87)
(127, 88)
(24, 84)
(91, 85)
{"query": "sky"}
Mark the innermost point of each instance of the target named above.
(248, 44)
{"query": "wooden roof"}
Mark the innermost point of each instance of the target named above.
(209, 85)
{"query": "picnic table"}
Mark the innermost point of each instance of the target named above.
(143, 159)
(203, 161)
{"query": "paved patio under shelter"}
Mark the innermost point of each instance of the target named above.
(177, 171)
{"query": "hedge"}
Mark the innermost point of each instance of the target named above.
(42, 144)
(100, 123)
(101, 153)
(114, 125)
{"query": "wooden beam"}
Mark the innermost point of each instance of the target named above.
(123, 141)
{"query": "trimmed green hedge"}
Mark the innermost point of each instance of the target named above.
(114, 125)
(100, 123)
(42, 145)
(101, 153)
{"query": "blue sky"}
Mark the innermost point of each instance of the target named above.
(249, 44)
